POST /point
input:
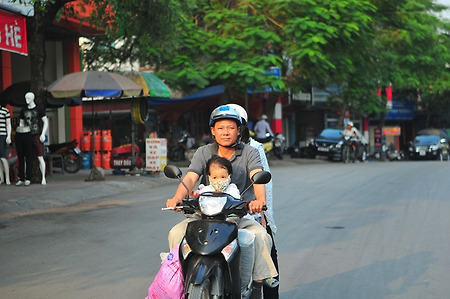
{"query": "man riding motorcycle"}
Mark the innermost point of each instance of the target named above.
(225, 124)
(352, 132)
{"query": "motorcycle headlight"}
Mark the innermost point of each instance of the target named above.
(210, 205)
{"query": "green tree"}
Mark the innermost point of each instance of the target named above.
(413, 50)
(145, 22)
(356, 45)
(136, 31)
(45, 13)
(235, 42)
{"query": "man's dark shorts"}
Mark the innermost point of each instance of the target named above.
(38, 145)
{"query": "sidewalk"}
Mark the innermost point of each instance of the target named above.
(71, 189)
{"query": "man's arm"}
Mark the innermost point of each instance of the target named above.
(44, 128)
(260, 194)
(269, 129)
(190, 179)
(8, 130)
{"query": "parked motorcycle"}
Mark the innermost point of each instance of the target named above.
(71, 155)
(272, 145)
(210, 253)
(177, 151)
(121, 157)
(394, 155)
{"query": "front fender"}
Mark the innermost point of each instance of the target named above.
(201, 267)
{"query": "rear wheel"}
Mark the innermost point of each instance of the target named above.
(72, 161)
(364, 156)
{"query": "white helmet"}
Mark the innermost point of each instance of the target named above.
(224, 112)
(241, 111)
(350, 123)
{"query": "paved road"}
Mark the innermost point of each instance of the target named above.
(369, 230)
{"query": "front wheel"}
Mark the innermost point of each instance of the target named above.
(72, 161)
(346, 155)
(201, 291)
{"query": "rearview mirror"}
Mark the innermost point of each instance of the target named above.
(172, 172)
(261, 177)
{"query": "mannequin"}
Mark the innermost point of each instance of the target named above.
(5, 138)
(33, 137)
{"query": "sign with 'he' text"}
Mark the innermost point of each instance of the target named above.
(13, 33)
(155, 154)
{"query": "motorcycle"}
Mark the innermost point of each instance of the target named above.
(121, 157)
(70, 153)
(394, 155)
(177, 151)
(210, 252)
(349, 149)
(272, 145)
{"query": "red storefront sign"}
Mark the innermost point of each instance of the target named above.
(13, 33)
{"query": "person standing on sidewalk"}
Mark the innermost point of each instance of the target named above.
(5, 138)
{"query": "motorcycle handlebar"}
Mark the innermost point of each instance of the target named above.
(264, 208)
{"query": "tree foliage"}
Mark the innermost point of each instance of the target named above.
(358, 45)
(136, 31)
(135, 25)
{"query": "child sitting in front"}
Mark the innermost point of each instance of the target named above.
(219, 172)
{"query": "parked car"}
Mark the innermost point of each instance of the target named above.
(433, 131)
(429, 147)
(329, 143)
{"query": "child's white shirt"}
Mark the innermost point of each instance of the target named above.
(232, 189)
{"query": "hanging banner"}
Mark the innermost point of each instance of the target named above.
(13, 33)
(392, 131)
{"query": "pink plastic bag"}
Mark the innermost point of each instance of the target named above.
(169, 282)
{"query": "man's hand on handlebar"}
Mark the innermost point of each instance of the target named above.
(173, 203)
(256, 206)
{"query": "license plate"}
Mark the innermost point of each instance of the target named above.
(422, 153)
(323, 149)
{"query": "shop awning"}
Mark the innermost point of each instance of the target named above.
(208, 92)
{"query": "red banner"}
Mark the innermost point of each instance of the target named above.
(13, 33)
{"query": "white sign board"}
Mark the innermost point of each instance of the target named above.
(155, 154)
